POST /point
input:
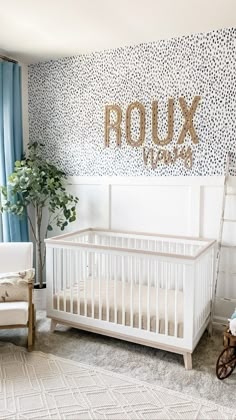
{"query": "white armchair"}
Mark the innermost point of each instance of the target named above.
(16, 285)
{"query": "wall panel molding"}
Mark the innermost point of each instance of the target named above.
(191, 206)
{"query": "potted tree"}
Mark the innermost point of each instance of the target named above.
(38, 184)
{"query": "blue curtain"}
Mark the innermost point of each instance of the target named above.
(12, 229)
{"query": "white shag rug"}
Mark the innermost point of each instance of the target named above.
(43, 386)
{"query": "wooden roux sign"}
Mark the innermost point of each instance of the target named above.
(160, 154)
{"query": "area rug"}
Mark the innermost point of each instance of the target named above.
(43, 386)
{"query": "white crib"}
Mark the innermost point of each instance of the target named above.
(154, 290)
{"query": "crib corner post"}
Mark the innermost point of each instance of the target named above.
(189, 288)
(49, 275)
(188, 361)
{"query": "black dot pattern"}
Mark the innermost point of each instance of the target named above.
(67, 99)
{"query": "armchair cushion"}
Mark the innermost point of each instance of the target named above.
(14, 286)
(13, 313)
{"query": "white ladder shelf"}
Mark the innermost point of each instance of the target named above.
(221, 245)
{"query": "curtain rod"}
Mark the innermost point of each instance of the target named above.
(3, 57)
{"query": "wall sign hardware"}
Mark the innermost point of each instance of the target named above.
(113, 119)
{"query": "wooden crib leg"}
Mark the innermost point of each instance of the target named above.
(209, 329)
(188, 361)
(34, 323)
(53, 325)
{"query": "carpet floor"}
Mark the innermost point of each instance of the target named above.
(42, 386)
(156, 367)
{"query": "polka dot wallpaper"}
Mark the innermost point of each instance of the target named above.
(67, 99)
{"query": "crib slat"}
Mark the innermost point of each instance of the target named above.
(58, 275)
(204, 283)
(123, 288)
(78, 270)
(99, 285)
(115, 289)
(139, 296)
(54, 290)
(71, 277)
(197, 291)
(176, 300)
(51, 268)
(107, 271)
(85, 282)
(64, 278)
(93, 279)
(201, 291)
(205, 291)
(157, 283)
(131, 292)
(209, 283)
(202, 288)
(148, 262)
(166, 298)
(195, 324)
(207, 286)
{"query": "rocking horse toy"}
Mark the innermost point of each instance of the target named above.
(226, 362)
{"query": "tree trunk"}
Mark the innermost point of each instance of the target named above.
(39, 265)
(39, 250)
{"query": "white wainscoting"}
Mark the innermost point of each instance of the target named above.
(189, 206)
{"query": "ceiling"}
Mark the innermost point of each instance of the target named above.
(38, 30)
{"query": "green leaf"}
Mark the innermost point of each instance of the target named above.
(41, 184)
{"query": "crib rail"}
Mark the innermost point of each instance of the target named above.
(190, 248)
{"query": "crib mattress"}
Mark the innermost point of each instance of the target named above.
(109, 289)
